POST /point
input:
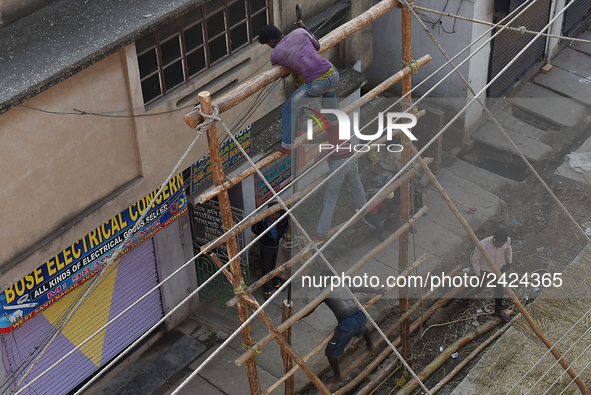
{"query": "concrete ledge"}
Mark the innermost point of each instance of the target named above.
(533, 150)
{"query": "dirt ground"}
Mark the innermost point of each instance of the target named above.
(544, 240)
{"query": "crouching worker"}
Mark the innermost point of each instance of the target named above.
(351, 323)
(298, 50)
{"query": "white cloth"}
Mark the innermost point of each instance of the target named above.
(580, 161)
(500, 256)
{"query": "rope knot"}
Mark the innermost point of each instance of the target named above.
(413, 64)
(208, 119)
(522, 30)
(241, 288)
(252, 347)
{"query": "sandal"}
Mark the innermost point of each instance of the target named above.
(502, 316)
(267, 294)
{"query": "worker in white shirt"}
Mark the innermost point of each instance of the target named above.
(498, 247)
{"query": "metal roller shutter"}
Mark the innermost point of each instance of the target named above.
(135, 275)
(574, 17)
(507, 45)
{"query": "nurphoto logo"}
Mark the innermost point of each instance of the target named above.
(345, 130)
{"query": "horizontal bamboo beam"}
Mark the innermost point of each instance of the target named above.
(310, 306)
(273, 273)
(318, 347)
(469, 358)
(248, 222)
(255, 84)
(445, 299)
(446, 354)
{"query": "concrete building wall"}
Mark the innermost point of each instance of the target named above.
(54, 167)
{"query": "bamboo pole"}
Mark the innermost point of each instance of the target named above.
(445, 299)
(380, 197)
(470, 357)
(253, 85)
(528, 318)
(247, 222)
(320, 345)
(446, 354)
(405, 196)
(287, 362)
(316, 301)
(302, 139)
(273, 273)
(285, 346)
(226, 212)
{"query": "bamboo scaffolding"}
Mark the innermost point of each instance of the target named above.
(378, 198)
(306, 309)
(469, 358)
(320, 345)
(349, 368)
(528, 318)
(285, 346)
(228, 222)
(445, 299)
(229, 183)
(253, 85)
(446, 354)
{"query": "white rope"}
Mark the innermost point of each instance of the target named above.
(521, 29)
(318, 252)
(563, 371)
(310, 169)
(577, 376)
(547, 351)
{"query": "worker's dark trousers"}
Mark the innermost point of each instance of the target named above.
(268, 261)
(499, 292)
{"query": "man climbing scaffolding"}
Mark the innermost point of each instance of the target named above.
(298, 51)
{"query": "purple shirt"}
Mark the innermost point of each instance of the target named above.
(298, 51)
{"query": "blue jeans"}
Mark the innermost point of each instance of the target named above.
(333, 188)
(324, 87)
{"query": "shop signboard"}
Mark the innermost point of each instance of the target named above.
(81, 261)
(277, 173)
(201, 174)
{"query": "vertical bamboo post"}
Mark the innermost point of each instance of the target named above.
(287, 362)
(226, 211)
(406, 351)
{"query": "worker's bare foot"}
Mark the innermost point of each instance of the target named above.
(334, 379)
(369, 346)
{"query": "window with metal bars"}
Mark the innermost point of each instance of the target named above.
(199, 39)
